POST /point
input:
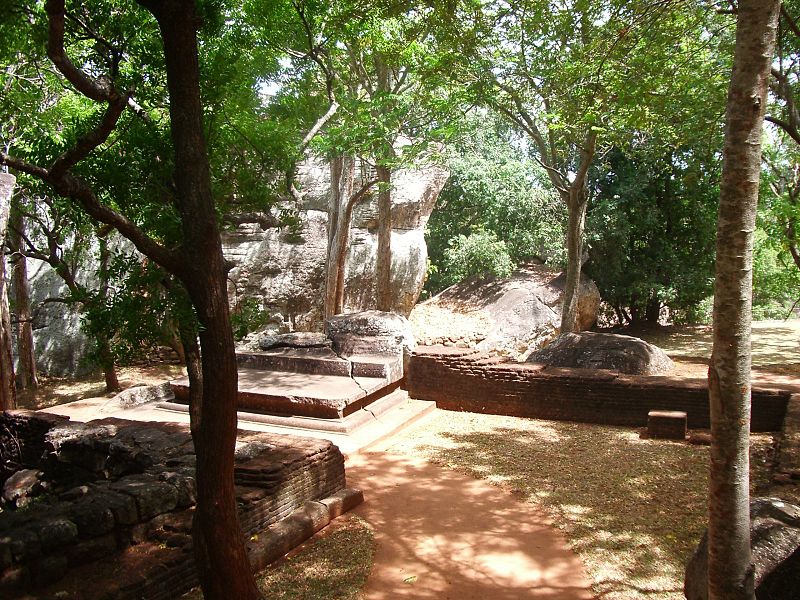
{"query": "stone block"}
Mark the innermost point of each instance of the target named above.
(666, 424)
(152, 497)
(93, 549)
(56, 532)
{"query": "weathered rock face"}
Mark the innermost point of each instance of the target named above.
(281, 272)
(586, 350)
(775, 541)
(522, 312)
(370, 332)
(285, 273)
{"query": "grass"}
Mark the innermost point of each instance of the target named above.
(333, 565)
(633, 509)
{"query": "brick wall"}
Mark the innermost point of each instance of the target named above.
(466, 380)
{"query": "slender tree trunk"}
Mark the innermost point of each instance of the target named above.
(8, 395)
(26, 357)
(576, 207)
(383, 267)
(338, 234)
(104, 354)
(219, 548)
(576, 198)
(334, 208)
(730, 568)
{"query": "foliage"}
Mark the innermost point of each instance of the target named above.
(651, 230)
(479, 253)
(248, 316)
(496, 189)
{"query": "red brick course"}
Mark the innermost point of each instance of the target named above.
(466, 380)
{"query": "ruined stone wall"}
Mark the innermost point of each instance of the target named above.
(136, 502)
(466, 380)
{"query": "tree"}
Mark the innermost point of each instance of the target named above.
(730, 568)
(651, 228)
(198, 263)
(26, 363)
(576, 80)
(8, 398)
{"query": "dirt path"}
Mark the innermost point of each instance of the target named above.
(444, 535)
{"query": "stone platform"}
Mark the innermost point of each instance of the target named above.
(308, 382)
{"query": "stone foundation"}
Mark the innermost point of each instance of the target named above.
(122, 493)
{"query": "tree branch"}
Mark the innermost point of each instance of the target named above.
(98, 90)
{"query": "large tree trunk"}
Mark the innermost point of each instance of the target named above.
(576, 198)
(8, 397)
(383, 266)
(220, 552)
(26, 357)
(730, 568)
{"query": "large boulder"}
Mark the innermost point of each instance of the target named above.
(587, 350)
(283, 271)
(521, 312)
(370, 332)
(775, 542)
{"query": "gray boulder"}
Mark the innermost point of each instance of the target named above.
(587, 350)
(370, 332)
(523, 311)
(775, 541)
(300, 339)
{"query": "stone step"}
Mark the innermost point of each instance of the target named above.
(323, 361)
(300, 394)
(377, 411)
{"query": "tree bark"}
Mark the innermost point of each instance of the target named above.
(26, 356)
(220, 552)
(342, 179)
(730, 568)
(383, 266)
(576, 209)
(104, 354)
(8, 394)
(576, 198)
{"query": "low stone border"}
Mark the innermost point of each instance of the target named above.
(468, 380)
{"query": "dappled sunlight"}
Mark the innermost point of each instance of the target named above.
(632, 508)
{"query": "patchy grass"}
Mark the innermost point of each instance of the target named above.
(633, 509)
(53, 391)
(333, 565)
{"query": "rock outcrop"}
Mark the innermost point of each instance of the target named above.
(285, 271)
(521, 313)
(587, 350)
(281, 272)
(775, 541)
(370, 332)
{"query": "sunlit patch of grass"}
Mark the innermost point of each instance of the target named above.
(333, 565)
(633, 509)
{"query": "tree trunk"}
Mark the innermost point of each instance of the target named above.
(730, 568)
(576, 199)
(26, 363)
(219, 548)
(334, 208)
(383, 266)
(338, 233)
(104, 354)
(576, 207)
(8, 395)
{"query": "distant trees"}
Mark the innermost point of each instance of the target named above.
(579, 78)
(651, 230)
